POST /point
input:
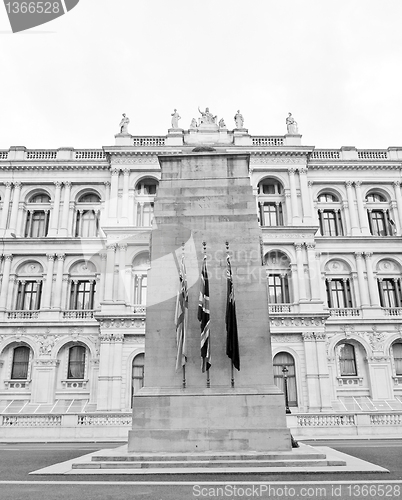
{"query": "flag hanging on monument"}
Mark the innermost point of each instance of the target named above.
(203, 318)
(181, 317)
(232, 340)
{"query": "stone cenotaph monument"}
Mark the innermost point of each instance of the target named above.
(205, 200)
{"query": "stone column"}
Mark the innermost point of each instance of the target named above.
(305, 198)
(65, 304)
(71, 219)
(126, 184)
(114, 191)
(105, 212)
(348, 224)
(398, 197)
(14, 208)
(323, 371)
(122, 272)
(63, 231)
(293, 197)
(361, 210)
(360, 278)
(352, 209)
(395, 228)
(295, 283)
(131, 221)
(6, 206)
(5, 281)
(314, 272)
(59, 281)
(110, 370)
(288, 209)
(49, 282)
(312, 374)
(19, 230)
(109, 279)
(300, 270)
(56, 210)
(372, 285)
(101, 290)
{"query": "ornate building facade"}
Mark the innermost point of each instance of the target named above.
(75, 227)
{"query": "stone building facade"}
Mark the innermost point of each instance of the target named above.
(75, 232)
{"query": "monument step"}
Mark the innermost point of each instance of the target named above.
(204, 464)
(157, 457)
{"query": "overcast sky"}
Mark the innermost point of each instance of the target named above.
(336, 65)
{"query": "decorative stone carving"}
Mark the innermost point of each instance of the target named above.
(287, 338)
(222, 123)
(193, 124)
(46, 343)
(124, 124)
(291, 125)
(207, 118)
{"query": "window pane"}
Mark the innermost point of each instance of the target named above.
(20, 363)
(397, 354)
(347, 360)
(76, 362)
(137, 374)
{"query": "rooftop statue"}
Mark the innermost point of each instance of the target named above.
(124, 124)
(193, 123)
(239, 120)
(207, 118)
(175, 119)
(222, 123)
(291, 125)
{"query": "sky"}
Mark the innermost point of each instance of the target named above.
(335, 65)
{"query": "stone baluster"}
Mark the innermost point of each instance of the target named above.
(352, 209)
(361, 210)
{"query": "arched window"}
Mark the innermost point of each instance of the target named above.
(19, 369)
(278, 268)
(137, 374)
(380, 222)
(347, 360)
(397, 356)
(280, 360)
(29, 287)
(270, 202)
(76, 362)
(329, 215)
(38, 215)
(389, 284)
(147, 187)
(146, 191)
(339, 289)
(140, 271)
(87, 217)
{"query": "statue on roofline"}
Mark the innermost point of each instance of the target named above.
(175, 119)
(124, 124)
(291, 125)
(207, 118)
(222, 123)
(239, 120)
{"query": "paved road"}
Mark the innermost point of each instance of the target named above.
(17, 460)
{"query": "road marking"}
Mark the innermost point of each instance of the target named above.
(191, 483)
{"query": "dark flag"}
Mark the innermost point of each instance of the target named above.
(181, 317)
(232, 340)
(203, 318)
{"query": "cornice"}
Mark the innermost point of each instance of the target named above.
(53, 166)
(354, 166)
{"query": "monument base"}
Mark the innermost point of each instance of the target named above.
(230, 421)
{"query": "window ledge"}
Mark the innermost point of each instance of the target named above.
(17, 384)
(349, 381)
(74, 384)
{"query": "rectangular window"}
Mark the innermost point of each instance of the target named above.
(379, 223)
(76, 363)
(389, 292)
(397, 354)
(20, 365)
(278, 290)
(271, 214)
(82, 295)
(339, 293)
(29, 295)
(347, 360)
(37, 224)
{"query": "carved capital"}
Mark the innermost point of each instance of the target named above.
(50, 256)
(368, 255)
(298, 247)
(57, 184)
(61, 256)
(67, 184)
(358, 255)
(17, 185)
(358, 184)
(349, 184)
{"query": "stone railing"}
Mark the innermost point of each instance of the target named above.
(23, 315)
(139, 309)
(347, 311)
(149, 141)
(3, 155)
(386, 419)
(325, 154)
(265, 140)
(372, 154)
(37, 154)
(31, 420)
(279, 308)
(349, 381)
(90, 154)
(392, 311)
(325, 420)
(81, 314)
(117, 419)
